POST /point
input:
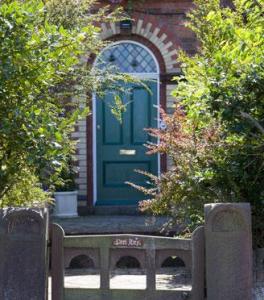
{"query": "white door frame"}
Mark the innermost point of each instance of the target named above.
(154, 76)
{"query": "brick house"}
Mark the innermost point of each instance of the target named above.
(109, 152)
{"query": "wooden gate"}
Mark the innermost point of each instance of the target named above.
(150, 253)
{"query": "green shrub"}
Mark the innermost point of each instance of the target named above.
(67, 177)
(26, 192)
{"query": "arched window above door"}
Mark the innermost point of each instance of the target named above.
(127, 57)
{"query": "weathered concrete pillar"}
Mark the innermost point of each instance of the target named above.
(228, 242)
(23, 251)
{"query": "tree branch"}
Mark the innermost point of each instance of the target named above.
(253, 121)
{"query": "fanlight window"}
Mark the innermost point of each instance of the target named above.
(127, 58)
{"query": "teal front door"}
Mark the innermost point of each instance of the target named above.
(120, 146)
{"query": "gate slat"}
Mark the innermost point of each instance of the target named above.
(57, 265)
(104, 268)
(151, 268)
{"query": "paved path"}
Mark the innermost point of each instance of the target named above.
(128, 279)
(96, 224)
(131, 279)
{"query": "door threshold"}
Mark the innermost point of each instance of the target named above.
(129, 210)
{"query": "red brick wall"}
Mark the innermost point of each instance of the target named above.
(167, 16)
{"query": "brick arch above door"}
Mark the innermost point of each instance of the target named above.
(155, 35)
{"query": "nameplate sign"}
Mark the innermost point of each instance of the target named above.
(128, 242)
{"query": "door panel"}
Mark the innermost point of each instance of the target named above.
(120, 146)
(124, 171)
(141, 111)
(112, 130)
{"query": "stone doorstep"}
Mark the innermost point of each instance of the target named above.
(116, 224)
(128, 210)
(108, 210)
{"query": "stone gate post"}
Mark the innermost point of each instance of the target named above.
(23, 253)
(228, 242)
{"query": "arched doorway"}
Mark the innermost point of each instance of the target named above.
(119, 147)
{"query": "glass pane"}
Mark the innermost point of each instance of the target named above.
(127, 58)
